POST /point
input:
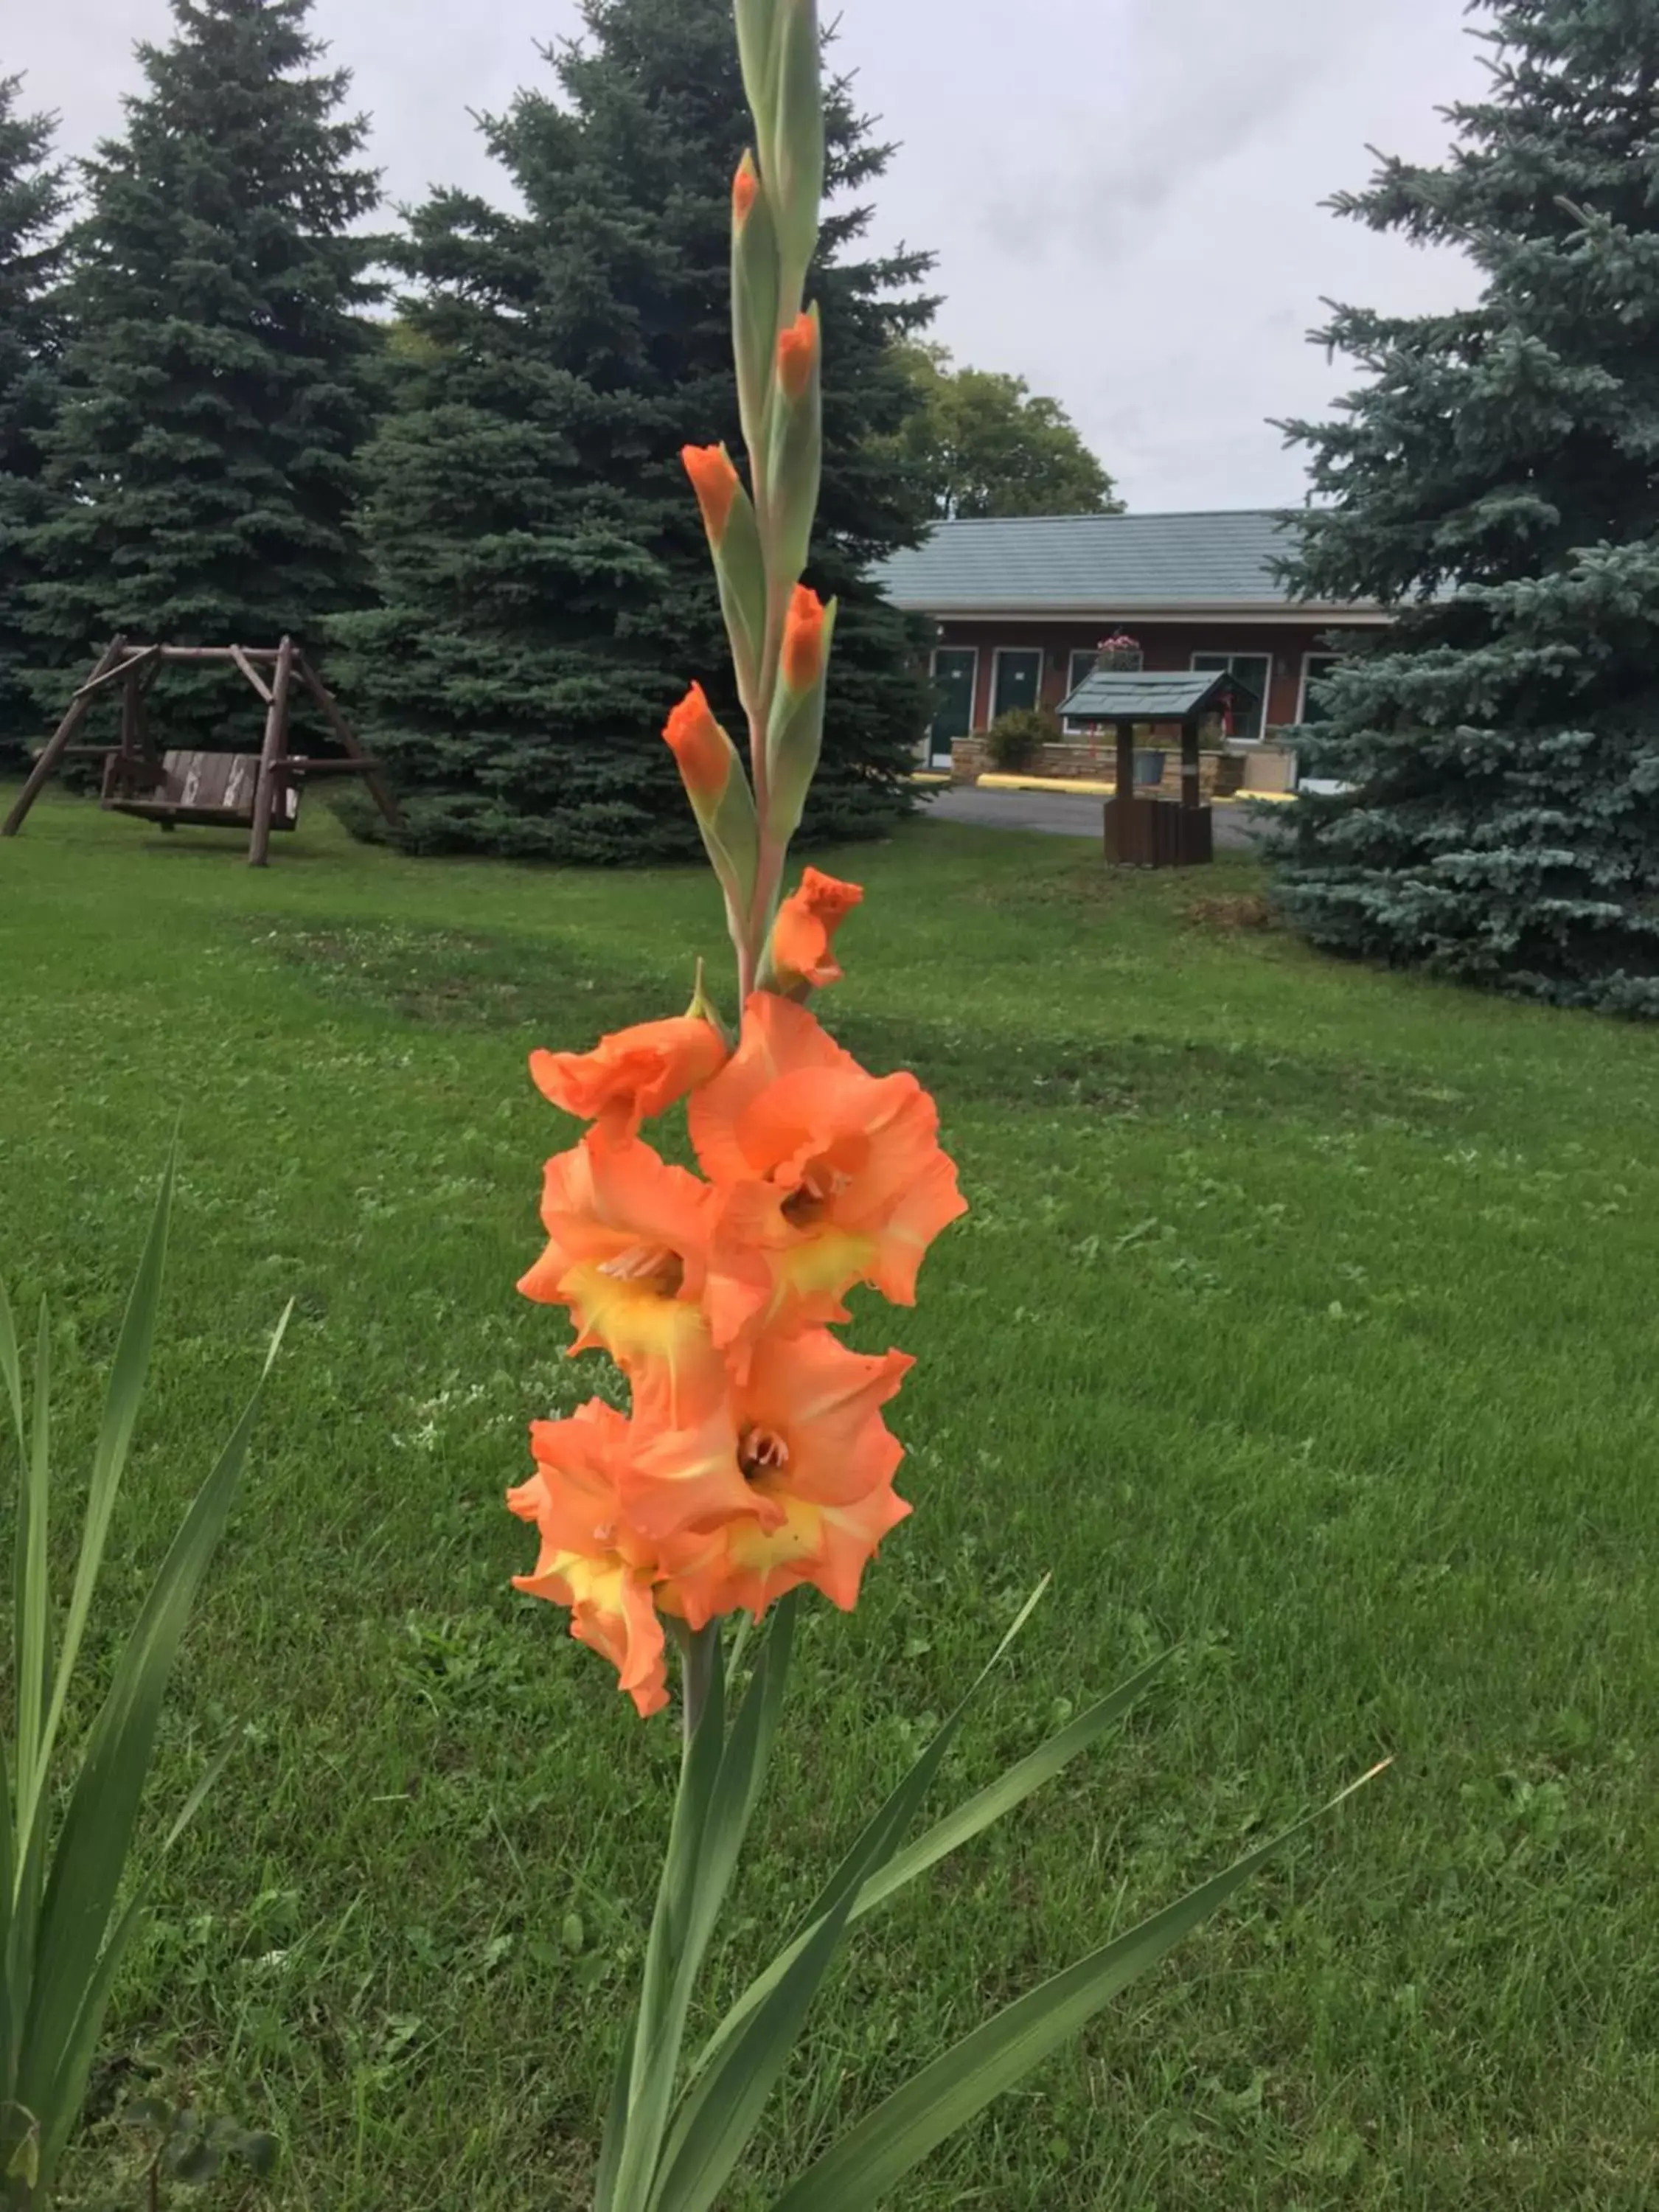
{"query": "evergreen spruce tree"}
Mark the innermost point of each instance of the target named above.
(32, 201)
(219, 379)
(546, 594)
(1496, 484)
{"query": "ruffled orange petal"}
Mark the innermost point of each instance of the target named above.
(831, 1175)
(803, 936)
(632, 1074)
(614, 1202)
(683, 1479)
(746, 1566)
(591, 1559)
(815, 1408)
(575, 1497)
(765, 1276)
(779, 1038)
(611, 1611)
(626, 1253)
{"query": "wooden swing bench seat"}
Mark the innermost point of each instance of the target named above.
(206, 790)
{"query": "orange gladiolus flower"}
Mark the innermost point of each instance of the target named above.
(590, 1561)
(797, 356)
(747, 1565)
(830, 1176)
(632, 1074)
(802, 641)
(746, 190)
(804, 933)
(810, 1422)
(715, 482)
(701, 747)
(627, 1252)
(803, 1429)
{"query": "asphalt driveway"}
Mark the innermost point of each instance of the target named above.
(1064, 814)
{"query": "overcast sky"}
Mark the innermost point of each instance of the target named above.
(1123, 194)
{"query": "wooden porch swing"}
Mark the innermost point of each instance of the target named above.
(258, 791)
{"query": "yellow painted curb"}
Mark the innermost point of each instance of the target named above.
(1079, 786)
(930, 775)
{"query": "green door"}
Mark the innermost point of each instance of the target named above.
(1018, 679)
(955, 670)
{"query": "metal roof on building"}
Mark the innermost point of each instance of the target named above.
(1112, 695)
(1094, 564)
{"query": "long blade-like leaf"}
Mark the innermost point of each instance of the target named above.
(970, 1818)
(629, 2148)
(874, 2156)
(10, 2009)
(876, 1843)
(717, 2118)
(11, 1373)
(900, 1808)
(32, 1602)
(68, 2087)
(103, 1808)
(126, 1384)
(615, 2124)
(1011, 1790)
(742, 1769)
(732, 1802)
(11, 1998)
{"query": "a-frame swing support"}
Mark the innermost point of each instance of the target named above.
(133, 771)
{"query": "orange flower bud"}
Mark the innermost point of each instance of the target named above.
(699, 746)
(715, 483)
(803, 936)
(802, 641)
(797, 356)
(746, 190)
(634, 1073)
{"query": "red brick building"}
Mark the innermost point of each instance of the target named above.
(1021, 606)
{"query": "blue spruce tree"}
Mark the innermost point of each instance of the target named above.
(544, 585)
(1495, 484)
(33, 200)
(220, 370)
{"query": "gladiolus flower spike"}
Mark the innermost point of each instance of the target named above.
(754, 1456)
(753, 1460)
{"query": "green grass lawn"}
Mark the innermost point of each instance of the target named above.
(1305, 1316)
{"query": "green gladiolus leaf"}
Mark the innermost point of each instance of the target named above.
(968, 1820)
(68, 1926)
(11, 1373)
(757, 50)
(126, 1387)
(740, 571)
(876, 1844)
(795, 469)
(31, 1601)
(874, 2156)
(798, 150)
(794, 744)
(755, 315)
(719, 2114)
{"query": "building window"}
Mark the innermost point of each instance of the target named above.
(1255, 673)
(1314, 666)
